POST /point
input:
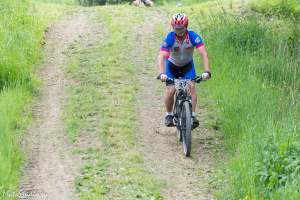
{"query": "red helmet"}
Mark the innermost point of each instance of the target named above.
(180, 19)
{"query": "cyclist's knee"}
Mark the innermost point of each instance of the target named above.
(170, 90)
(193, 88)
(193, 91)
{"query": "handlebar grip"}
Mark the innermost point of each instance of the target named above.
(198, 79)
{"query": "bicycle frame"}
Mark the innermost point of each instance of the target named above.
(182, 94)
(182, 111)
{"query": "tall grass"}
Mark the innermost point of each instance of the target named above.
(21, 34)
(12, 122)
(20, 38)
(282, 8)
(19, 46)
(255, 86)
(68, 2)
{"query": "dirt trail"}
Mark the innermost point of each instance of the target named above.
(51, 167)
(185, 178)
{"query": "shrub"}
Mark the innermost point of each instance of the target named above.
(278, 168)
(282, 8)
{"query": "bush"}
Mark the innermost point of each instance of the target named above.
(279, 168)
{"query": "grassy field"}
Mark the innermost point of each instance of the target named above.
(21, 38)
(254, 51)
(255, 87)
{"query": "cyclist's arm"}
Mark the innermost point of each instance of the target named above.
(161, 61)
(204, 56)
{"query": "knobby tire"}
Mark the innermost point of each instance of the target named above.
(186, 128)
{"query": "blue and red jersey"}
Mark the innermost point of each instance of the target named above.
(181, 52)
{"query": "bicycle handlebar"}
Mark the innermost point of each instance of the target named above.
(197, 79)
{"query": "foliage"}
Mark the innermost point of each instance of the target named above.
(255, 85)
(281, 8)
(275, 40)
(256, 89)
(278, 168)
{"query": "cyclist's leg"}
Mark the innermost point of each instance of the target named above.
(190, 75)
(170, 89)
(194, 96)
(169, 97)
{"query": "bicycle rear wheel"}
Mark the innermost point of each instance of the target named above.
(186, 128)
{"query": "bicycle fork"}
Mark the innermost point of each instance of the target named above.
(177, 111)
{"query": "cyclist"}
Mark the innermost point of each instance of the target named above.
(175, 60)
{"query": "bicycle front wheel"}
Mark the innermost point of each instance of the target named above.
(186, 128)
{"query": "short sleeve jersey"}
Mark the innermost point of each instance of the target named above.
(181, 52)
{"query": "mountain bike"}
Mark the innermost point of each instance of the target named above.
(182, 111)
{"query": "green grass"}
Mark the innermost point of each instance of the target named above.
(281, 8)
(21, 38)
(67, 2)
(256, 90)
(12, 122)
(19, 44)
(102, 102)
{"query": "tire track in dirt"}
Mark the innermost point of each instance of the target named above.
(51, 166)
(185, 178)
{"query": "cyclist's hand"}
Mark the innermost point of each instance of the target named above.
(163, 77)
(206, 75)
